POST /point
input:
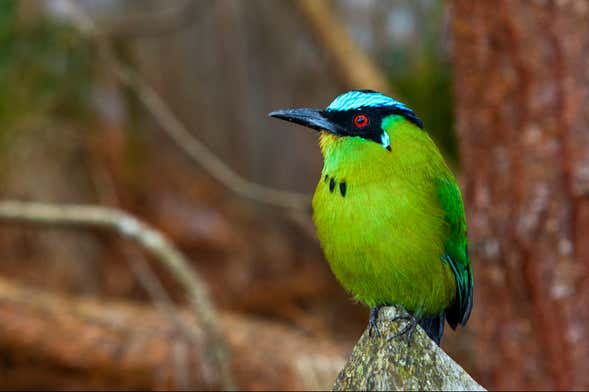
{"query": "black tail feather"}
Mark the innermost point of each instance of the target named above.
(434, 326)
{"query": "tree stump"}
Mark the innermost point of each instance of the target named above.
(385, 363)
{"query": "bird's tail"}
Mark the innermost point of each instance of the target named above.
(434, 326)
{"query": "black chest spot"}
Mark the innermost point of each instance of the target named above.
(343, 186)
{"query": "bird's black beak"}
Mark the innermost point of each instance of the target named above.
(311, 118)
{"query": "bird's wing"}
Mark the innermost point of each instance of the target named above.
(456, 251)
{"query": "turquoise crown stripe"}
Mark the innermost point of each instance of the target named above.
(358, 98)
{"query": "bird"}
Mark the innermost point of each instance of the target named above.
(388, 212)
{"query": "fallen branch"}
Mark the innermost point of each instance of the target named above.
(385, 363)
(55, 341)
(149, 238)
(137, 262)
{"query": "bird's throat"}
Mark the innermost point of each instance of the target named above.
(328, 142)
(354, 159)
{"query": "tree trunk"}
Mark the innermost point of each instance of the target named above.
(522, 95)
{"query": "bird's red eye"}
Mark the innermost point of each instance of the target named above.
(360, 120)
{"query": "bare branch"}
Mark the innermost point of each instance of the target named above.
(387, 363)
(105, 188)
(353, 66)
(178, 131)
(146, 236)
(201, 153)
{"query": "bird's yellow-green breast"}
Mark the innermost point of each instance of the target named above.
(379, 219)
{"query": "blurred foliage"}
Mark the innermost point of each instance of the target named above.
(426, 82)
(46, 68)
(421, 73)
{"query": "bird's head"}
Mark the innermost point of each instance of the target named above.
(357, 113)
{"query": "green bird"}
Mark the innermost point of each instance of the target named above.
(388, 211)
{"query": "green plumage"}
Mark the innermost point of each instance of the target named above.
(398, 236)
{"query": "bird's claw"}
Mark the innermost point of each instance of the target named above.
(407, 331)
(373, 322)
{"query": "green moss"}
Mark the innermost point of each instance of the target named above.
(421, 74)
(46, 69)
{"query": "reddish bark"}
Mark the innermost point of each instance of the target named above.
(522, 93)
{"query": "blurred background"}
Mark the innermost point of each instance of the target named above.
(159, 108)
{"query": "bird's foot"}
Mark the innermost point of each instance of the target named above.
(406, 333)
(373, 322)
